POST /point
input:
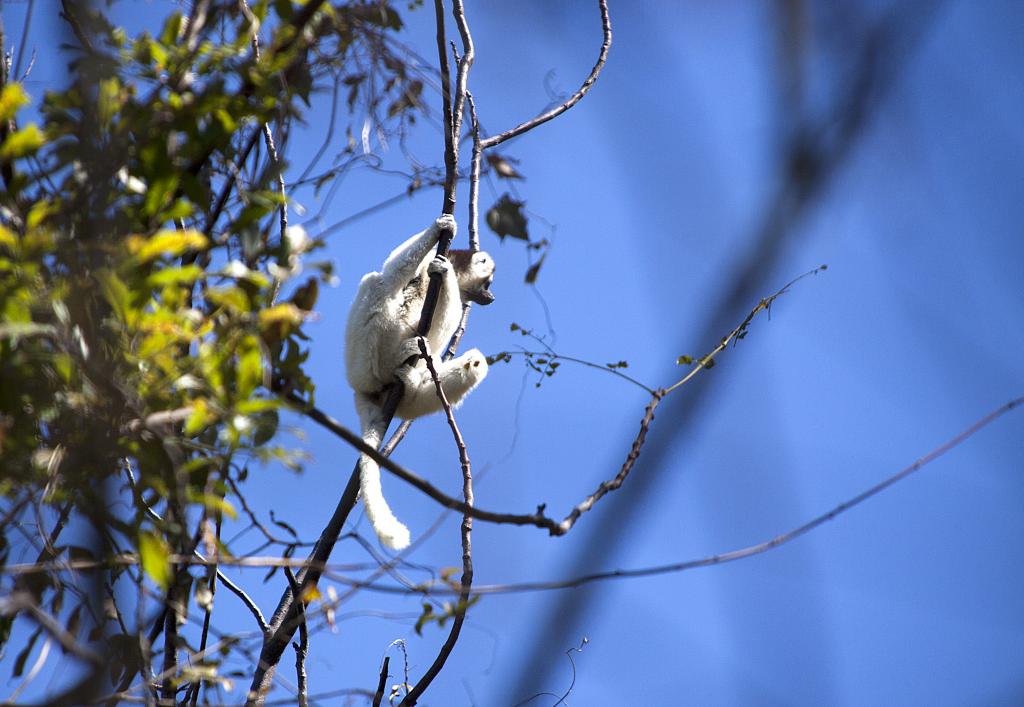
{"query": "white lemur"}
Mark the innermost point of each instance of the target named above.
(381, 337)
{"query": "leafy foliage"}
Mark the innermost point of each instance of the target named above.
(144, 341)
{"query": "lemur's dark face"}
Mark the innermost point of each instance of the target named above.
(475, 272)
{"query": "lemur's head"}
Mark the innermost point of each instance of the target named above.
(475, 272)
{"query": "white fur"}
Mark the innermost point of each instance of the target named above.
(381, 335)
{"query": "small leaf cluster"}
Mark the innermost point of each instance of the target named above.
(439, 615)
(546, 364)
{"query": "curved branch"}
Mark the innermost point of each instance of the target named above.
(732, 556)
(537, 519)
(606, 27)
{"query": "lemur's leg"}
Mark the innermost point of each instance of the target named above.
(388, 528)
(458, 376)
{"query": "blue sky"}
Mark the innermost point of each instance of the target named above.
(653, 187)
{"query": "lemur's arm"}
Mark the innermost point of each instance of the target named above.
(400, 267)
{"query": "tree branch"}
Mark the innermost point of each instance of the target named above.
(825, 139)
(382, 682)
(268, 135)
(602, 57)
(462, 74)
(451, 164)
(474, 178)
(23, 601)
(302, 647)
(466, 535)
(732, 556)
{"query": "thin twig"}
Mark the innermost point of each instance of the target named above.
(824, 140)
(44, 653)
(451, 163)
(24, 37)
(761, 547)
(607, 486)
(225, 192)
(462, 74)
(326, 421)
(722, 558)
(474, 178)
(268, 138)
(372, 209)
(606, 27)
(123, 695)
(192, 696)
(764, 305)
(302, 647)
(71, 18)
(246, 599)
(23, 601)
(268, 135)
(259, 525)
(551, 355)
(224, 579)
(327, 138)
(466, 534)
(382, 682)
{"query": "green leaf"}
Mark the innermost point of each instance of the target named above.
(213, 502)
(284, 9)
(172, 243)
(39, 212)
(181, 208)
(201, 417)
(185, 275)
(232, 299)
(280, 320)
(12, 98)
(250, 368)
(427, 615)
(159, 192)
(108, 100)
(155, 553)
(8, 239)
(117, 295)
(21, 143)
(171, 31)
(264, 427)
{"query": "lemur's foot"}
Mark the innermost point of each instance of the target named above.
(410, 349)
(439, 266)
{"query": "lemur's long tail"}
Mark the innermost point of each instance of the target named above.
(388, 528)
